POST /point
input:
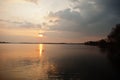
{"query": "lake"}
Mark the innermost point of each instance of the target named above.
(55, 62)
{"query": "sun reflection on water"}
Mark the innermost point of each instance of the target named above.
(47, 67)
(40, 49)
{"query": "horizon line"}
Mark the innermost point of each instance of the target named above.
(3, 42)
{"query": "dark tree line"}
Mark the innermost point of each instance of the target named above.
(112, 39)
(114, 36)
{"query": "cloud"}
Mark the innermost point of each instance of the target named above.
(91, 18)
(30, 25)
(23, 24)
(33, 1)
(111, 6)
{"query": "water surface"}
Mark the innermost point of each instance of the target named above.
(55, 62)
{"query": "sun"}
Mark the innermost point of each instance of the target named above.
(40, 35)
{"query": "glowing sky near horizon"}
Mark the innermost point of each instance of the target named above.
(58, 20)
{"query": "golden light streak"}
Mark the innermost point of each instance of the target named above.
(40, 49)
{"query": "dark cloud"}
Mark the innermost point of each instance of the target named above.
(67, 14)
(23, 24)
(95, 17)
(111, 6)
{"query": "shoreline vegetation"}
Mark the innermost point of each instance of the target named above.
(113, 39)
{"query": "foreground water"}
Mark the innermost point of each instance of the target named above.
(55, 62)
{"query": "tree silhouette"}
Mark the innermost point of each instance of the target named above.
(114, 36)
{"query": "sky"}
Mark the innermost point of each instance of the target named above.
(57, 20)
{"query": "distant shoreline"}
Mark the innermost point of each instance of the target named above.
(39, 43)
